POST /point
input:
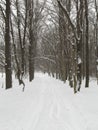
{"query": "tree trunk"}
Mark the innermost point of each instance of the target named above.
(8, 68)
(31, 42)
(96, 6)
(87, 44)
(20, 37)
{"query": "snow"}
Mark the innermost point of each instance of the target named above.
(48, 104)
(79, 60)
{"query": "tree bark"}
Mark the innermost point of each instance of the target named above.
(31, 41)
(8, 69)
(87, 44)
(96, 7)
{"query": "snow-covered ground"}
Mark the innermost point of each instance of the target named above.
(48, 104)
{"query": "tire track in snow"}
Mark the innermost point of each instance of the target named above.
(48, 111)
(75, 118)
(55, 110)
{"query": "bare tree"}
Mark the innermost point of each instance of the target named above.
(87, 44)
(31, 40)
(96, 7)
(8, 69)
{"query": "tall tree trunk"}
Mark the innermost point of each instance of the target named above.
(63, 43)
(18, 69)
(8, 68)
(20, 37)
(87, 44)
(31, 41)
(79, 42)
(96, 6)
(24, 37)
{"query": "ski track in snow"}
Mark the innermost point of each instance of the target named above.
(46, 104)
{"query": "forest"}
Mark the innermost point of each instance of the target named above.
(58, 37)
(48, 64)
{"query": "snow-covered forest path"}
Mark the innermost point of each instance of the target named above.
(54, 110)
(48, 104)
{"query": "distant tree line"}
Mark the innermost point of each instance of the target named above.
(71, 41)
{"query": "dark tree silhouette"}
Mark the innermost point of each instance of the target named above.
(8, 70)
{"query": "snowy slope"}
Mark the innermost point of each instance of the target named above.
(48, 104)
